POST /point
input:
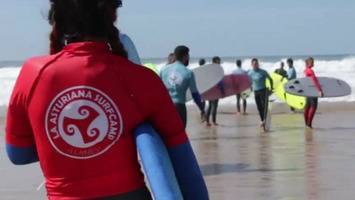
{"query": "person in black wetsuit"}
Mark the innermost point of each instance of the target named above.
(258, 77)
(240, 71)
(213, 105)
(281, 71)
(201, 63)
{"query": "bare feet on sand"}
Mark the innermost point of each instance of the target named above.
(309, 127)
(263, 127)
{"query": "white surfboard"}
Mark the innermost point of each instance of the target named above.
(268, 118)
(206, 77)
(331, 87)
(246, 94)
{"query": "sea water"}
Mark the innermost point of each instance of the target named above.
(337, 66)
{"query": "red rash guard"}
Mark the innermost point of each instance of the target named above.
(308, 72)
(80, 108)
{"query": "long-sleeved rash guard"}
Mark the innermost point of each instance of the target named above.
(79, 108)
(308, 72)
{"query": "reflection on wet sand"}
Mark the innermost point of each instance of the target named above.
(311, 166)
(289, 163)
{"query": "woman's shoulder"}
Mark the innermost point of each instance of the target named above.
(30, 71)
(38, 62)
(33, 66)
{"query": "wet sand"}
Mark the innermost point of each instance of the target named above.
(240, 162)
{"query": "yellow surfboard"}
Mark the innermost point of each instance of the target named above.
(296, 102)
(152, 66)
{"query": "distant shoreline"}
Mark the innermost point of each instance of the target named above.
(266, 57)
(345, 55)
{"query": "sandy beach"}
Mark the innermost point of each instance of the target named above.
(240, 162)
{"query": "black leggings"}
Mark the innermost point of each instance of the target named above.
(141, 194)
(262, 103)
(181, 109)
(239, 96)
(212, 109)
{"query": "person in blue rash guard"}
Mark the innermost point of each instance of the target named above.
(240, 71)
(258, 77)
(291, 74)
(178, 79)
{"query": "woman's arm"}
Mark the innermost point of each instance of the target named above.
(20, 144)
(312, 75)
(196, 96)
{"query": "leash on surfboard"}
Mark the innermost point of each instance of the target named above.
(40, 186)
(266, 105)
(267, 110)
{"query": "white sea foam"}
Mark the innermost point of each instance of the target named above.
(343, 69)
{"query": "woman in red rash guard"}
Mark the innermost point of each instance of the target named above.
(78, 107)
(312, 102)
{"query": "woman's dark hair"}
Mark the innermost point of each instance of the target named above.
(310, 59)
(73, 20)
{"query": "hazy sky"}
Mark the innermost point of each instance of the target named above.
(208, 27)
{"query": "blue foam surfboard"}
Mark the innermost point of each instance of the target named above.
(188, 173)
(156, 164)
(173, 174)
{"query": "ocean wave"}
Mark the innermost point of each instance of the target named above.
(343, 69)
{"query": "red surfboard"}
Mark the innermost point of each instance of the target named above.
(232, 84)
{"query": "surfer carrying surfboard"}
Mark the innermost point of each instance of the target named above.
(291, 74)
(213, 105)
(201, 63)
(312, 102)
(178, 79)
(240, 71)
(281, 71)
(261, 93)
(75, 110)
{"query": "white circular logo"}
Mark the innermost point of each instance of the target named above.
(83, 122)
(175, 78)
